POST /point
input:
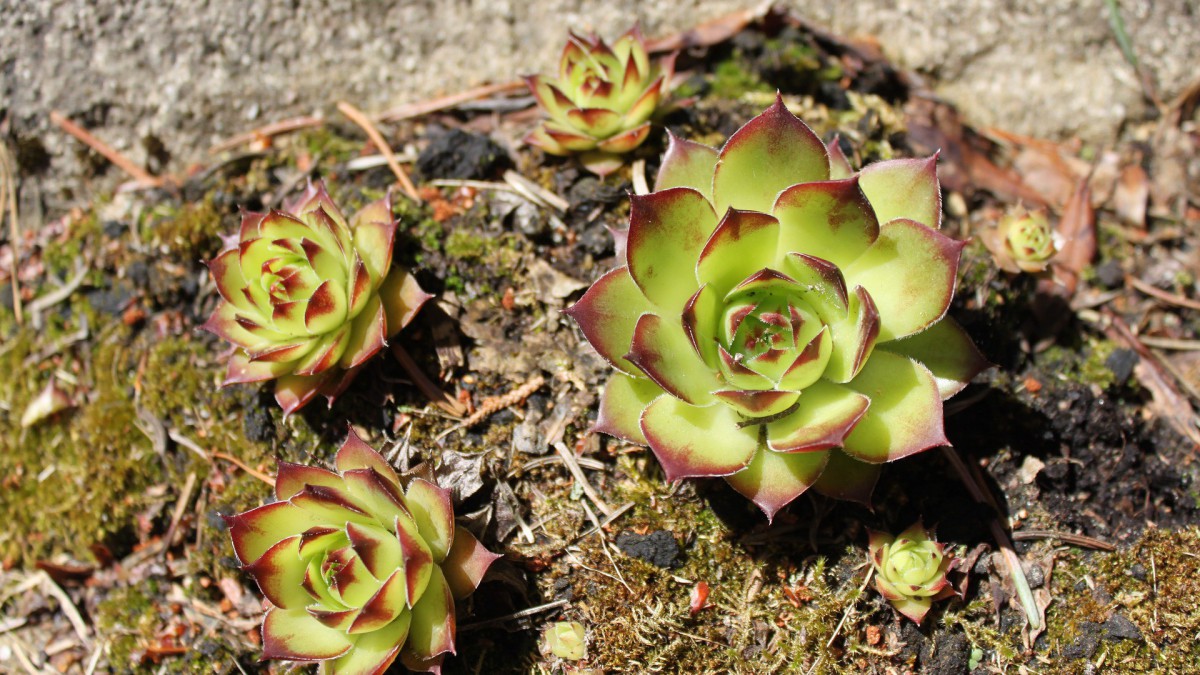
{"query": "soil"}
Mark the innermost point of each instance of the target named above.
(116, 559)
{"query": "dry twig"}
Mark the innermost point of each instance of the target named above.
(244, 467)
(495, 404)
(121, 161)
(410, 110)
(267, 131)
(361, 120)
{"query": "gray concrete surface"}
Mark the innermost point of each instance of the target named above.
(192, 72)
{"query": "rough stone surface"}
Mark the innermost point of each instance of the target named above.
(163, 80)
(657, 548)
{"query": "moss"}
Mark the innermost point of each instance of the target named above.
(1084, 364)
(80, 478)
(731, 79)
(188, 232)
(1153, 585)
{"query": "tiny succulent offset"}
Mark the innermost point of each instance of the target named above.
(566, 640)
(358, 567)
(308, 297)
(1023, 241)
(601, 101)
(910, 570)
(780, 320)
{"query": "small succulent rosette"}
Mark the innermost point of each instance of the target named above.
(358, 568)
(911, 570)
(565, 639)
(1023, 241)
(780, 321)
(307, 297)
(601, 101)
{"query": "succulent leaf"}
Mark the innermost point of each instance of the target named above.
(773, 479)
(307, 296)
(766, 156)
(621, 406)
(355, 568)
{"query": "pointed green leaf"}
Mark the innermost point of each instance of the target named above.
(773, 479)
(905, 416)
(431, 509)
(293, 634)
(690, 441)
(687, 164)
(667, 231)
(947, 351)
(384, 606)
(854, 337)
(466, 563)
(376, 546)
(355, 453)
(701, 318)
(432, 630)
(904, 188)
(257, 530)
(826, 415)
(910, 272)
(744, 242)
(368, 334)
(373, 652)
(770, 153)
(621, 406)
(290, 479)
(280, 572)
(418, 560)
(831, 220)
(839, 165)
(625, 141)
(402, 297)
(661, 349)
(607, 314)
(293, 392)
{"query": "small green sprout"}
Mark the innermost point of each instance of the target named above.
(566, 640)
(910, 570)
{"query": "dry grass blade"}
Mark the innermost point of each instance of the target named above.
(1152, 291)
(1073, 539)
(361, 120)
(568, 458)
(267, 131)
(121, 161)
(410, 110)
(8, 207)
(244, 467)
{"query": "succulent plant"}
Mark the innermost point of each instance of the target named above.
(1023, 241)
(910, 570)
(566, 640)
(601, 101)
(779, 320)
(307, 297)
(357, 567)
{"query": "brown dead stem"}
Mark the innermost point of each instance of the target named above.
(122, 162)
(361, 120)
(267, 131)
(410, 110)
